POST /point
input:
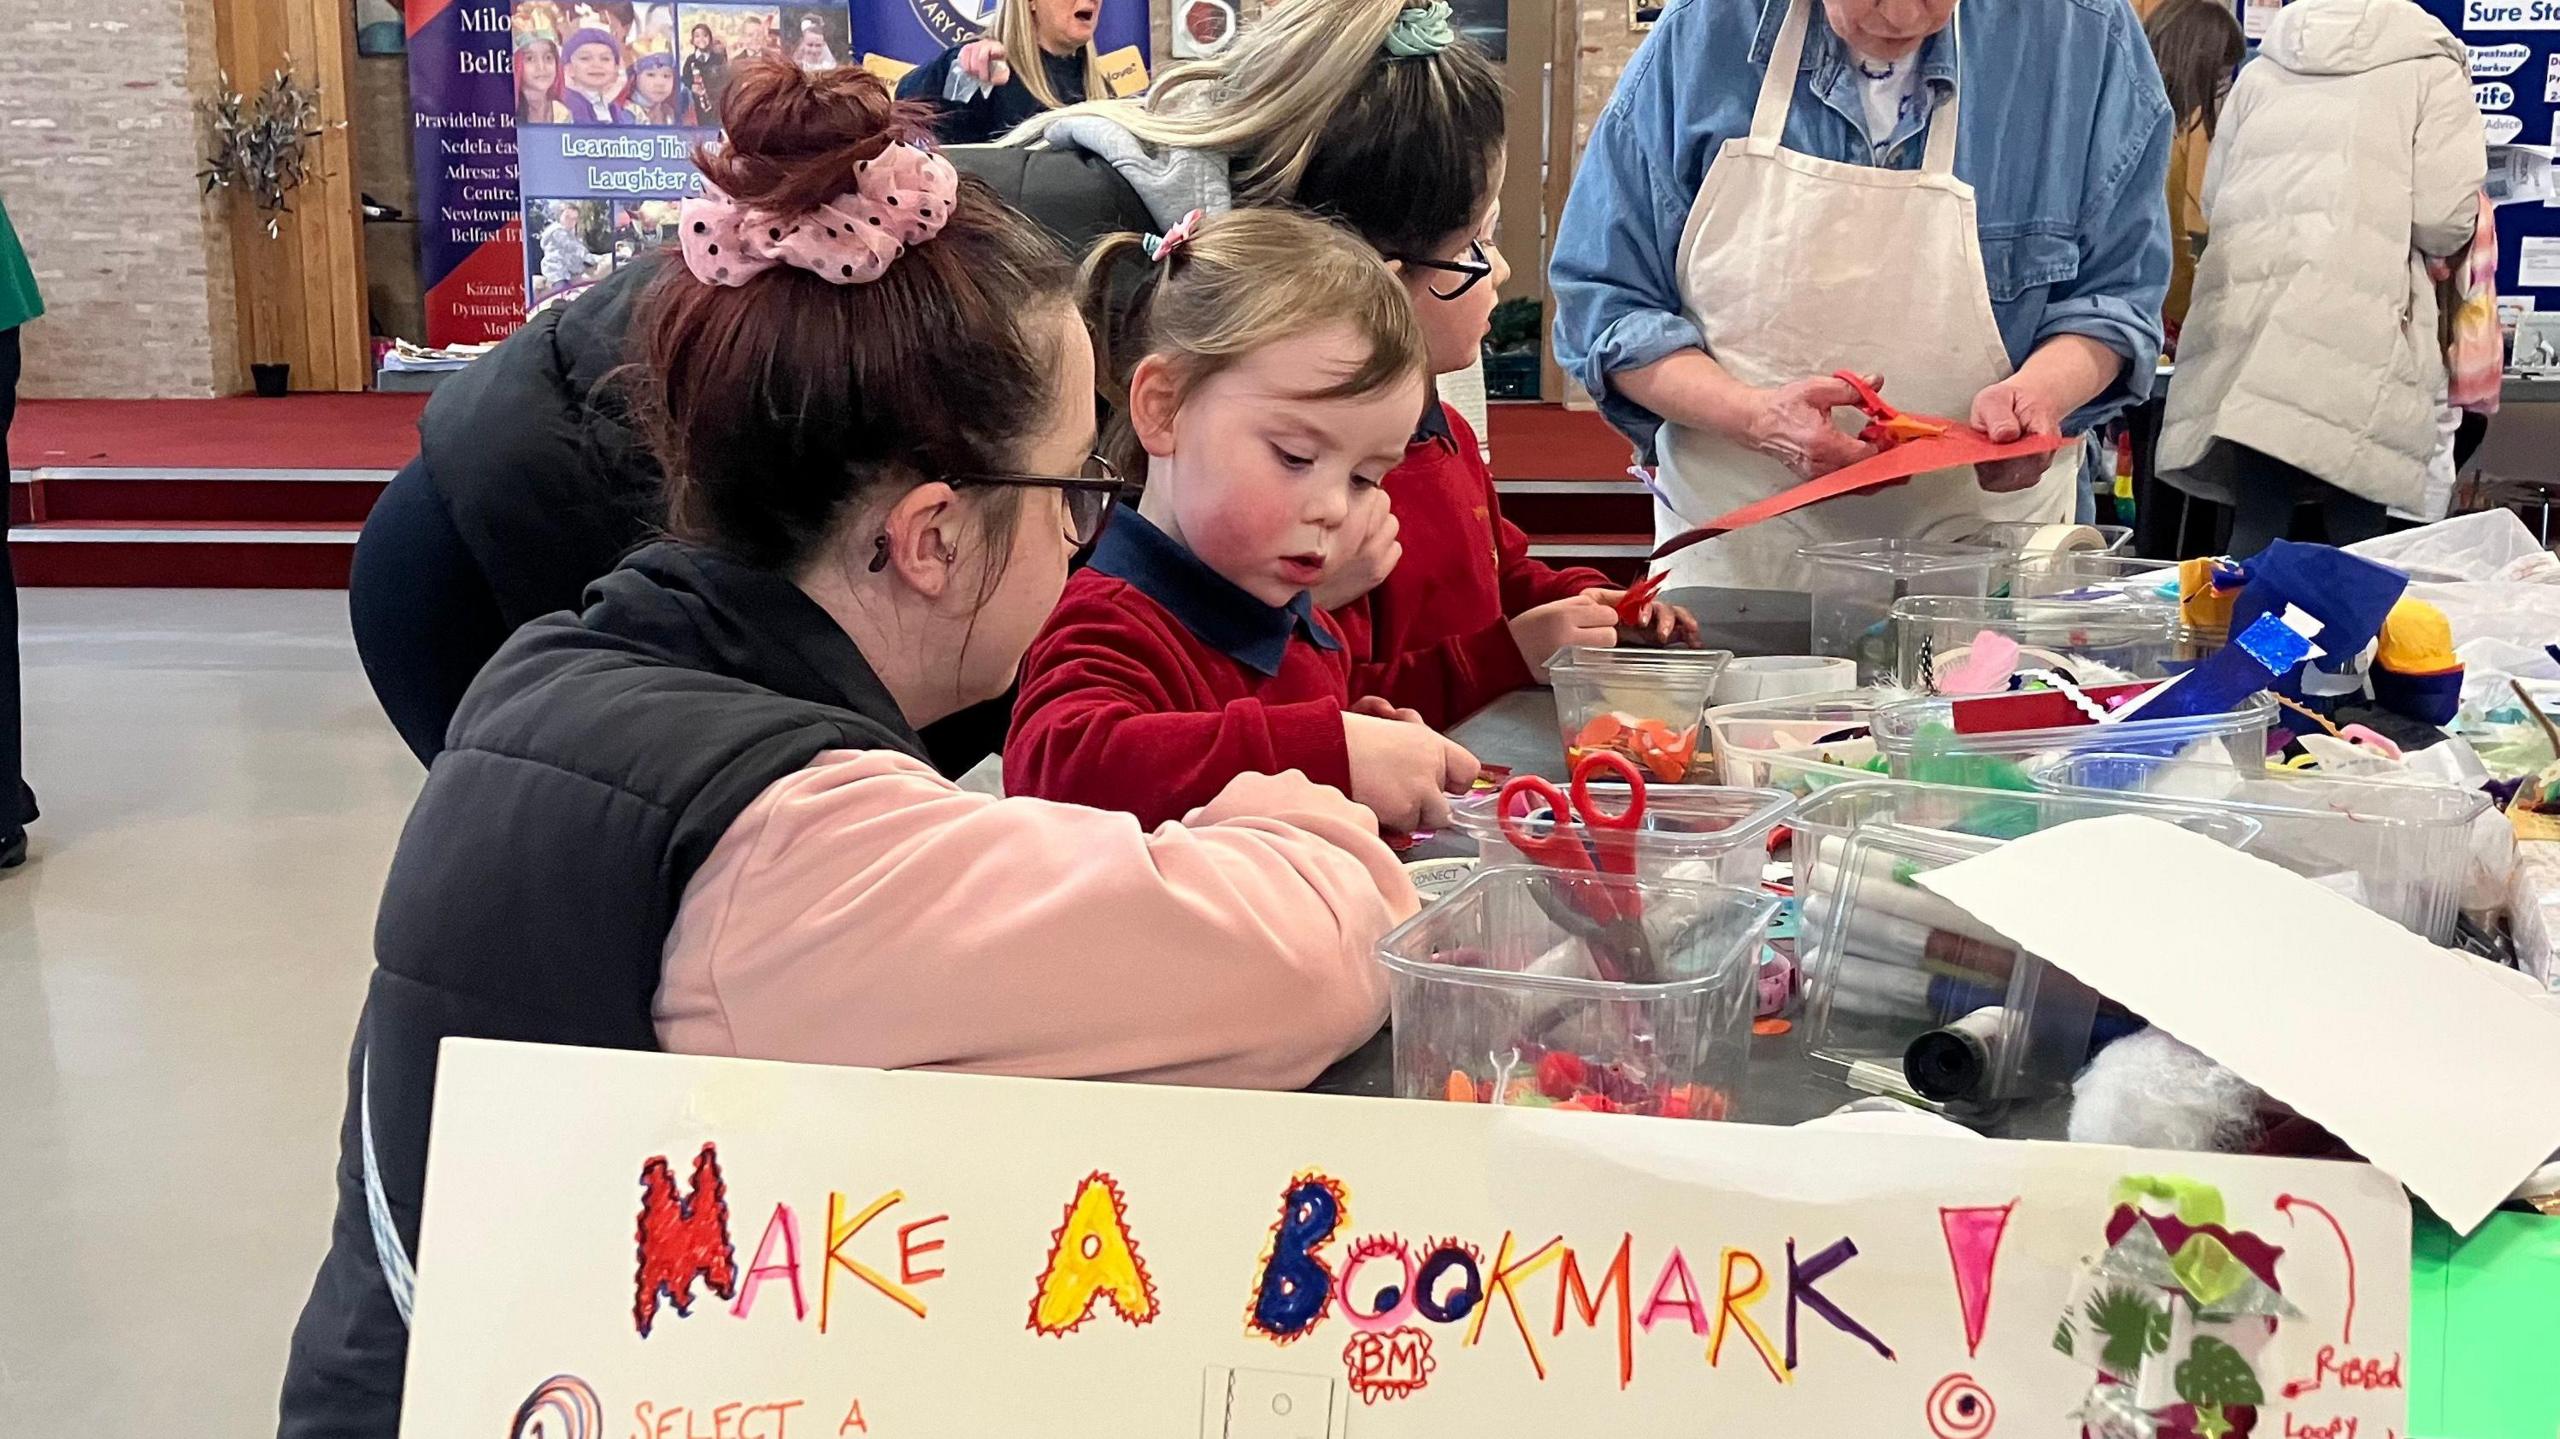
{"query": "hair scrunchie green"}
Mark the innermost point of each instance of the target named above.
(1421, 30)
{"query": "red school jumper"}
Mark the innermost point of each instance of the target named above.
(1436, 636)
(1157, 680)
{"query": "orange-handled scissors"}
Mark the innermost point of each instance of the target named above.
(1887, 426)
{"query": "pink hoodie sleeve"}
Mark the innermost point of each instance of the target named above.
(865, 911)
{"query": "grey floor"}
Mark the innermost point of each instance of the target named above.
(180, 965)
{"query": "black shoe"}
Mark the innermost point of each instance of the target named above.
(13, 848)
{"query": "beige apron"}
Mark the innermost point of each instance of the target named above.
(1793, 266)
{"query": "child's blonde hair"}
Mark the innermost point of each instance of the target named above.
(1241, 281)
(1012, 27)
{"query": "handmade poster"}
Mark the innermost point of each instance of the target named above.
(634, 1244)
(463, 150)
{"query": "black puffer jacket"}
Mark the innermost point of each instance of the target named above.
(549, 488)
(598, 754)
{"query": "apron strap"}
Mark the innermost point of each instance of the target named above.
(1778, 87)
(1939, 158)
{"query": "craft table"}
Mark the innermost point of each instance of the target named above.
(1519, 730)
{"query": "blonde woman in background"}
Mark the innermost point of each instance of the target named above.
(1279, 117)
(978, 90)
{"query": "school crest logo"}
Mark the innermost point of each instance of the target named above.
(953, 21)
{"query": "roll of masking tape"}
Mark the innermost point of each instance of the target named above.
(1772, 677)
(2063, 539)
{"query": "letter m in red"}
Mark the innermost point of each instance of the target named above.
(685, 1239)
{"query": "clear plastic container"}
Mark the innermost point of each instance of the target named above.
(1703, 834)
(1907, 994)
(1646, 704)
(1855, 583)
(1796, 745)
(1498, 1001)
(2016, 536)
(1918, 740)
(2089, 641)
(2400, 850)
(2082, 575)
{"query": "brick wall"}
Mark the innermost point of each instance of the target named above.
(1606, 42)
(97, 162)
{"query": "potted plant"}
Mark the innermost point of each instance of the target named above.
(1511, 350)
(262, 148)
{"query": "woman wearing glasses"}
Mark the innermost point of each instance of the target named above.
(696, 816)
(1967, 199)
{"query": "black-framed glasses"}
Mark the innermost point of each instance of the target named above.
(1089, 494)
(1475, 267)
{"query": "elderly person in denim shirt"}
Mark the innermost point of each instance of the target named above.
(1964, 200)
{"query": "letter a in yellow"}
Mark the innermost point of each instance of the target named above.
(1092, 1256)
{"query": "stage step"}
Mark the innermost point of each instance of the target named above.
(133, 516)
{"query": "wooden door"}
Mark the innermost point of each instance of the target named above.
(301, 295)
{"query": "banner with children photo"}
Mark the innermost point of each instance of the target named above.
(611, 97)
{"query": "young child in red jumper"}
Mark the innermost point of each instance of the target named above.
(1277, 377)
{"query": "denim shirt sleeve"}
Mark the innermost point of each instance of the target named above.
(2123, 277)
(1615, 266)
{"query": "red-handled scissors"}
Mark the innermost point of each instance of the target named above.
(1887, 426)
(1631, 605)
(1609, 915)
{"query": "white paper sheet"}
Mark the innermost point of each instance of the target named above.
(2538, 262)
(2442, 1077)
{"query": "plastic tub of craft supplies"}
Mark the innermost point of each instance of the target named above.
(1905, 994)
(1645, 704)
(1499, 997)
(1919, 741)
(2399, 849)
(1855, 583)
(1703, 834)
(1798, 745)
(2085, 641)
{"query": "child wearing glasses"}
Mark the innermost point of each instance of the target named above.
(1273, 372)
(1459, 614)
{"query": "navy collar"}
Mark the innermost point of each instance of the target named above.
(1207, 603)
(1435, 422)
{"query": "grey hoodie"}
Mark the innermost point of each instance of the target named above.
(1172, 183)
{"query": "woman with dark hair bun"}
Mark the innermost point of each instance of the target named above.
(696, 815)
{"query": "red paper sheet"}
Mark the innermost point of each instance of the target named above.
(1960, 445)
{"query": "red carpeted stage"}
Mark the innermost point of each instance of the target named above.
(259, 493)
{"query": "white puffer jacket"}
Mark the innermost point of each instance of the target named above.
(2350, 146)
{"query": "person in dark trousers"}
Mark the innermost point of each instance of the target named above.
(1036, 56)
(19, 303)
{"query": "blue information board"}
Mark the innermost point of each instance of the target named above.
(2515, 72)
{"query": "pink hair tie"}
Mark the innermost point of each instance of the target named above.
(1162, 248)
(903, 196)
